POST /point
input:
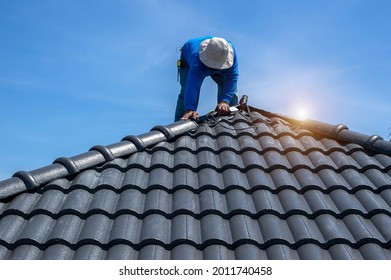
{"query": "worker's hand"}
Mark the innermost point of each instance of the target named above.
(190, 115)
(222, 109)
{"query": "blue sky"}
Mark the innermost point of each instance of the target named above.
(74, 74)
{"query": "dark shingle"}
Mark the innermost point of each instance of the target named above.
(248, 186)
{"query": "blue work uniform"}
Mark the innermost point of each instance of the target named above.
(193, 72)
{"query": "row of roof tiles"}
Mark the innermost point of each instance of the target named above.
(275, 180)
(184, 251)
(245, 160)
(70, 230)
(311, 204)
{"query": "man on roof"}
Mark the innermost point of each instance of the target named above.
(202, 57)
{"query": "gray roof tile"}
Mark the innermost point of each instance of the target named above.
(384, 160)
(344, 252)
(373, 251)
(362, 228)
(217, 252)
(95, 229)
(36, 229)
(282, 252)
(26, 252)
(50, 202)
(377, 178)
(153, 252)
(313, 252)
(135, 177)
(121, 252)
(11, 226)
(89, 252)
(250, 186)
(126, 227)
(77, 200)
(332, 180)
(56, 252)
(67, 228)
(386, 195)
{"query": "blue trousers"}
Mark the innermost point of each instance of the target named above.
(180, 107)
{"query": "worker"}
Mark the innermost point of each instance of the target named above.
(202, 57)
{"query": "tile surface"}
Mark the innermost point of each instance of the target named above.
(246, 187)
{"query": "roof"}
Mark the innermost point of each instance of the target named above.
(252, 185)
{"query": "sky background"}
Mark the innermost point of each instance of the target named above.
(74, 74)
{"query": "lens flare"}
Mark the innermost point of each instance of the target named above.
(302, 113)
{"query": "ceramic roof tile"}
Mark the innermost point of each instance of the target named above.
(313, 252)
(333, 229)
(50, 202)
(332, 180)
(11, 225)
(382, 224)
(384, 160)
(36, 229)
(217, 252)
(248, 186)
(121, 252)
(214, 227)
(386, 196)
(77, 200)
(126, 227)
(282, 252)
(135, 177)
(320, 202)
(210, 200)
(306, 179)
(362, 229)
(67, 228)
(344, 252)
(132, 200)
(184, 177)
(372, 251)
(57, 252)
(377, 178)
(89, 252)
(208, 178)
(28, 252)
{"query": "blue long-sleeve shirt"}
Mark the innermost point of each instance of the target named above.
(198, 71)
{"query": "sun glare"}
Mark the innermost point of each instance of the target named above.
(302, 114)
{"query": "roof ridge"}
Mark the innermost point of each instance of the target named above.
(22, 180)
(373, 143)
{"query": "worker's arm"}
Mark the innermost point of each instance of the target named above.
(195, 77)
(192, 92)
(230, 83)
